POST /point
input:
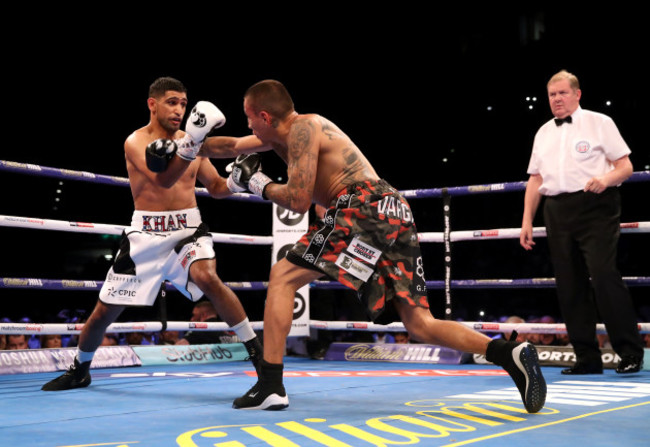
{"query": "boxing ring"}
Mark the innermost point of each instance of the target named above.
(375, 396)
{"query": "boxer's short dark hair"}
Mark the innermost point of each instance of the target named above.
(165, 84)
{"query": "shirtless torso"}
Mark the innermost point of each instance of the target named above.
(149, 193)
(173, 189)
(339, 162)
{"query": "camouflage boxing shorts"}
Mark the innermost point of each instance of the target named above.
(368, 242)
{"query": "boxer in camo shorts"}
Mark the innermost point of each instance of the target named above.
(367, 240)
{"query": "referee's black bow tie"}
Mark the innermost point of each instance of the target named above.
(560, 121)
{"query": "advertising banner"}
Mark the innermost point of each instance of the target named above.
(48, 360)
(190, 354)
(395, 352)
(287, 229)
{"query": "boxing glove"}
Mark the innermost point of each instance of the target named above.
(246, 175)
(158, 153)
(203, 119)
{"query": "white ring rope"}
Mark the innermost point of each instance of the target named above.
(140, 326)
(88, 227)
(156, 326)
(513, 233)
(481, 326)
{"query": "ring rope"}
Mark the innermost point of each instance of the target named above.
(67, 174)
(528, 283)
(45, 171)
(157, 326)
(140, 326)
(639, 176)
(514, 233)
(80, 284)
(523, 328)
(88, 227)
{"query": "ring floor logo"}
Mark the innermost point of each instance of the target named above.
(453, 421)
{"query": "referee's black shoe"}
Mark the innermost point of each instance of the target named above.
(629, 364)
(583, 368)
(77, 376)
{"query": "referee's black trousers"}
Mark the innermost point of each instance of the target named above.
(583, 229)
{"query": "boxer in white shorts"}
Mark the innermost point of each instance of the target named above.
(166, 240)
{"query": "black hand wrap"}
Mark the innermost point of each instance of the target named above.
(158, 154)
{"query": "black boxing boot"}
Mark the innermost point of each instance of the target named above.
(77, 376)
(521, 362)
(268, 393)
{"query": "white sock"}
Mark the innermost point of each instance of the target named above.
(84, 356)
(244, 330)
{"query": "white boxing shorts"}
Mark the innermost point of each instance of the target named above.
(158, 246)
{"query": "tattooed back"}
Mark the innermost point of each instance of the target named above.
(318, 149)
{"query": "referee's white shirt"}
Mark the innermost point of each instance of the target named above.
(567, 156)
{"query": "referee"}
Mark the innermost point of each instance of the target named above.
(578, 161)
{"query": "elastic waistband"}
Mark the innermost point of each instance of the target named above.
(163, 221)
(364, 187)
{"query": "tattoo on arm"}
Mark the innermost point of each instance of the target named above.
(302, 162)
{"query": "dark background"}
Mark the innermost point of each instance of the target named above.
(411, 86)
